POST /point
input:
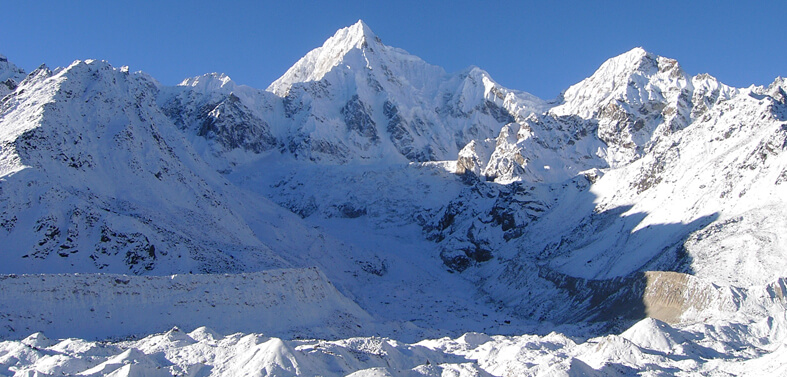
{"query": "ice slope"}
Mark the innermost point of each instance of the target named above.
(650, 347)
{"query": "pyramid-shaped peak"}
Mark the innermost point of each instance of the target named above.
(637, 61)
(356, 35)
(632, 73)
(633, 60)
(363, 28)
(321, 60)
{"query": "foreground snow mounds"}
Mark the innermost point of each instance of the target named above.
(649, 347)
(289, 302)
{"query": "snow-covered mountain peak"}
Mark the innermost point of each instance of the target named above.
(359, 33)
(391, 104)
(636, 98)
(635, 77)
(9, 70)
(318, 62)
(777, 89)
(10, 76)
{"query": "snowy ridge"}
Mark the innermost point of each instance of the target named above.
(635, 78)
(353, 100)
(225, 121)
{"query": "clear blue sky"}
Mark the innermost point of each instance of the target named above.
(537, 46)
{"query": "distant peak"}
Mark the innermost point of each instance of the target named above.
(631, 60)
(637, 51)
(356, 35)
(634, 61)
(363, 28)
(10, 71)
(628, 74)
(321, 60)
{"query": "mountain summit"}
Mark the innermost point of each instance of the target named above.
(392, 106)
(321, 60)
(10, 76)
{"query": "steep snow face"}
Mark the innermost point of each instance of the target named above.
(99, 173)
(714, 169)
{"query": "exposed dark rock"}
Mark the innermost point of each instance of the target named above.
(401, 137)
(232, 124)
(357, 118)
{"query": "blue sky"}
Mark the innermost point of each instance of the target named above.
(537, 46)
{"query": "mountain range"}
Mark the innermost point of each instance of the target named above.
(413, 202)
